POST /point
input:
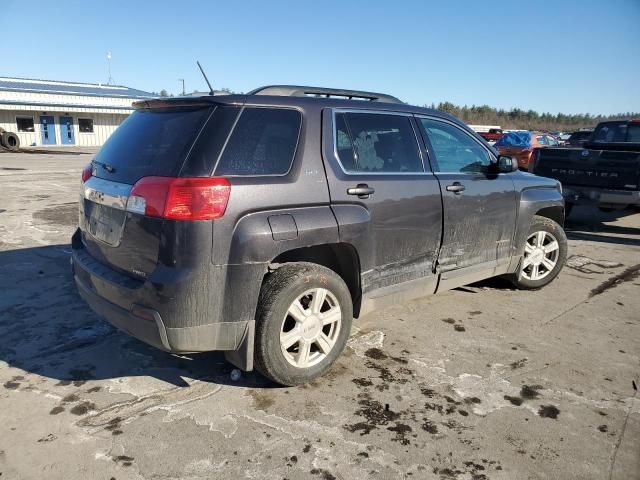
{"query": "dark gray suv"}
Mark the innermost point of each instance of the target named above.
(261, 224)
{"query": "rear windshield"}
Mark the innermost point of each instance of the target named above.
(150, 142)
(617, 132)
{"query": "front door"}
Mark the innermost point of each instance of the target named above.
(386, 203)
(47, 130)
(479, 205)
(66, 131)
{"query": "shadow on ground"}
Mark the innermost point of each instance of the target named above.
(590, 224)
(48, 329)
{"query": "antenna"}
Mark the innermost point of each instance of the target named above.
(110, 81)
(205, 78)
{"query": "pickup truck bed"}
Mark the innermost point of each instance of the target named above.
(603, 173)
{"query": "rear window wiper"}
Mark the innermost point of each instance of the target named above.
(106, 166)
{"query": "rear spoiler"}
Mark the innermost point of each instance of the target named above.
(185, 102)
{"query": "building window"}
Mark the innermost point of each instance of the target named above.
(85, 125)
(25, 124)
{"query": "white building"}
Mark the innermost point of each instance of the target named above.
(44, 112)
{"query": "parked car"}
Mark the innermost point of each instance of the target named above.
(604, 172)
(262, 224)
(579, 138)
(563, 137)
(492, 136)
(521, 145)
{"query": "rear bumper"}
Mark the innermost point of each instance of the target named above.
(116, 297)
(600, 196)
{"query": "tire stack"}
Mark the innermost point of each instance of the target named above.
(9, 140)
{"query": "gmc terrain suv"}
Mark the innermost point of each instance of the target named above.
(261, 224)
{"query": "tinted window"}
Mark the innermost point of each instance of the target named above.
(377, 143)
(542, 140)
(25, 124)
(633, 133)
(610, 132)
(455, 150)
(85, 125)
(263, 142)
(150, 142)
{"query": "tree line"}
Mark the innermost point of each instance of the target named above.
(526, 119)
(510, 119)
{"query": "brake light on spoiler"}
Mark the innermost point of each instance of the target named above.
(180, 198)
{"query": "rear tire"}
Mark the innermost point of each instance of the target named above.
(544, 255)
(303, 322)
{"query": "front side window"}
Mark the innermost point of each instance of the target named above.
(376, 143)
(263, 142)
(454, 149)
(85, 125)
(25, 124)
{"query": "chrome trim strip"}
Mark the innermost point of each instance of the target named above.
(105, 192)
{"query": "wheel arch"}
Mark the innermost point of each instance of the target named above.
(555, 213)
(342, 258)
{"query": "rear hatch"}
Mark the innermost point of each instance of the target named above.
(149, 143)
(616, 170)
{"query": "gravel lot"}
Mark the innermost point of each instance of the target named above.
(482, 382)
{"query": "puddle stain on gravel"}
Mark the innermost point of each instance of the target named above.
(65, 214)
(627, 275)
(549, 411)
(83, 408)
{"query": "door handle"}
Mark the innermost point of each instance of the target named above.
(362, 190)
(456, 187)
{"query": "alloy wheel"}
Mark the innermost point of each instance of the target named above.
(541, 252)
(310, 328)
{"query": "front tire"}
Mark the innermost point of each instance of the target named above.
(302, 324)
(545, 253)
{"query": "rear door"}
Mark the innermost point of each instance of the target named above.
(387, 204)
(479, 206)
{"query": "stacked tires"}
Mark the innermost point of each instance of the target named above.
(9, 140)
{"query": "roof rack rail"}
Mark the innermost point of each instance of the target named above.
(302, 91)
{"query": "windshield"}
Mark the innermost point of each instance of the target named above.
(150, 142)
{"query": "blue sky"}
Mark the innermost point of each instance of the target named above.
(568, 56)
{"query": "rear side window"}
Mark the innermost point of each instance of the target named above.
(376, 143)
(150, 142)
(633, 133)
(263, 142)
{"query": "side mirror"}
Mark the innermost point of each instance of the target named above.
(507, 164)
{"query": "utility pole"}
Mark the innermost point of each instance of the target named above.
(110, 81)
(183, 92)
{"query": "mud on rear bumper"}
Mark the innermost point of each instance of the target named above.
(131, 315)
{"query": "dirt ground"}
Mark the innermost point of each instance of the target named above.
(482, 382)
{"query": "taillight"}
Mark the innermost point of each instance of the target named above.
(180, 198)
(87, 171)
